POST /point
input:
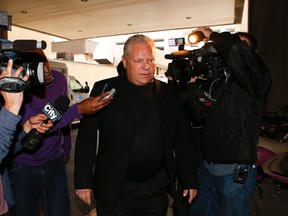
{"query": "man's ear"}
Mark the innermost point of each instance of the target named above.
(124, 61)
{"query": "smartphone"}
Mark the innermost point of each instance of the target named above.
(112, 92)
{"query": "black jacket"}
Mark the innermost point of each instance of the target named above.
(232, 122)
(116, 132)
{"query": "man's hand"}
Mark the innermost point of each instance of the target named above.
(84, 195)
(37, 122)
(13, 101)
(205, 30)
(192, 194)
(93, 104)
(67, 158)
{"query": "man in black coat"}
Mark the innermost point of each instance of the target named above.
(236, 98)
(144, 141)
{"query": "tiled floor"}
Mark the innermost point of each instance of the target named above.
(273, 202)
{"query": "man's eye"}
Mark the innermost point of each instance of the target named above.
(147, 61)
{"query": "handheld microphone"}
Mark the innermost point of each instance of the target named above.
(23, 45)
(54, 114)
(178, 54)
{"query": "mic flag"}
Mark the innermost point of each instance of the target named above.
(54, 114)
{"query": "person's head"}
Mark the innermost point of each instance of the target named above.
(139, 59)
(250, 39)
(39, 54)
(47, 69)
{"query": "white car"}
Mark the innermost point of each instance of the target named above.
(77, 91)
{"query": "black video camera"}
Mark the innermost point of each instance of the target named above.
(204, 62)
(27, 54)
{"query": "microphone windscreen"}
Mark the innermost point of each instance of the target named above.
(22, 45)
(62, 103)
(178, 54)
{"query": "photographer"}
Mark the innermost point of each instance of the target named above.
(227, 174)
(9, 119)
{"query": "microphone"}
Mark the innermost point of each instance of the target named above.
(54, 114)
(23, 45)
(178, 54)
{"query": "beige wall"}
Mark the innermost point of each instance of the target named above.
(83, 72)
(86, 72)
(20, 33)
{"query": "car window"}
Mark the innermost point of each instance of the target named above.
(75, 85)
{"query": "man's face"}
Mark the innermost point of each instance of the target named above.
(140, 64)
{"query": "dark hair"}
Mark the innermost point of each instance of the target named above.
(121, 69)
(249, 37)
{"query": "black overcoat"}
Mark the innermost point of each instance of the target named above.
(105, 171)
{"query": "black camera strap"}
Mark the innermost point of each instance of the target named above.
(13, 84)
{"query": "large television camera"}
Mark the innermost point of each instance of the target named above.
(204, 62)
(27, 54)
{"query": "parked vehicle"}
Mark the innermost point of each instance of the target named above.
(76, 90)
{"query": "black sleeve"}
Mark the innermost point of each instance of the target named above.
(185, 151)
(243, 63)
(85, 147)
(85, 153)
(189, 98)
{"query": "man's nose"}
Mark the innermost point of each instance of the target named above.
(147, 64)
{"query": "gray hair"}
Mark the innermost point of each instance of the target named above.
(138, 38)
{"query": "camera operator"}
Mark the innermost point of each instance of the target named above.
(227, 174)
(9, 119)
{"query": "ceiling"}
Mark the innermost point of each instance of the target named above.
(82, 19)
